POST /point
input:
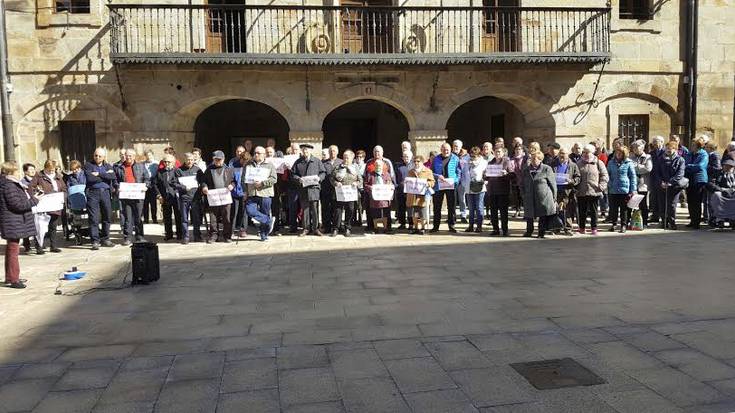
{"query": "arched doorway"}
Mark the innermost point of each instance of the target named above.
(484, 119)
(227, 124)
(362, 124)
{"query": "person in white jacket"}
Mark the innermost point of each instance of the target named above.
(475, 178)
(643, 167)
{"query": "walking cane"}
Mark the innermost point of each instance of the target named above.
(666, 207)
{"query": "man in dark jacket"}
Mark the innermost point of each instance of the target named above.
(189, 197)
(131, 172)
(16, 220)
(218, 176)
(100, 180)
(672, 183)
(657, 153)
(168, 194)
(402, 169)
(327, 190)
(309, 166)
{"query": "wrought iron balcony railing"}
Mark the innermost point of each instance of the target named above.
(357, 35)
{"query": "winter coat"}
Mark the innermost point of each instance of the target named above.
(539, 192)
(714, 167)
(166, 185)
(517, 163)
(139, 173)
(696, 166)
(656, 158)
(345, 175)
(500, 185)
(78, 178)
(476, 173)
(454, 169)
(16, 218)
(723, 183)
(266, 189)
(643, 168)
(593, 177)
(43, 183)
(105, 179)
(191, 194)
(208, 180)
(308, 167)
(327, 189)
(623, 179)
(671, 171)
(464, 175)
(419, 201)
(573, 177)
(371, 178)
(401, 174)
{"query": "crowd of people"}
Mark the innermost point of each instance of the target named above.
(298, 192)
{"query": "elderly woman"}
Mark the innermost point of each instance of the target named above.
(567, 179)
(696, 171)
(714, 169)
(418, 205)
(517, 161)
(380, 210)
(539, 194)
(49, 181)
(670, 172)
(623, 184)
(16, 220)
(476, 188)
(723, 196)
(498, 189)
(345, 174)
(643, 168)
(593, 180)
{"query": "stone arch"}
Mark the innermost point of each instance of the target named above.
(643, 90)
(397, 100)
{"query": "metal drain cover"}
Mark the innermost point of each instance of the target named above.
(557, 374)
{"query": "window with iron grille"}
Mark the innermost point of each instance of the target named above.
(72, 6)
(636, 9)
(632, 128)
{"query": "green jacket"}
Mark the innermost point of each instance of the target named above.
(266, 189)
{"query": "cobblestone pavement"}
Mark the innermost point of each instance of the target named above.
(377, 324)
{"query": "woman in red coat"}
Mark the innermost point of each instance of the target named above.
(16, 220)
(378, 172)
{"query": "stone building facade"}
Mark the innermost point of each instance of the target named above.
(71, 92)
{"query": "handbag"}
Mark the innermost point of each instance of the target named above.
(476, 186)
(682, 183)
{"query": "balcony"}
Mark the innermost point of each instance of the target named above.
(360, 35)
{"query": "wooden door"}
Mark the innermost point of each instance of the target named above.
(501, 27)
(225, 28)
(367, 30)
(78, 140)
(352, 28)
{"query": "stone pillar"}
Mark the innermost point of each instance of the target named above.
(425, 141)
(311, 137)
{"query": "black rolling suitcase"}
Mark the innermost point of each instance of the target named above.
(146, 267)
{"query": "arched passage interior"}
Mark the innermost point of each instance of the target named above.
(484, 119)
(227, 124)
(362, 124)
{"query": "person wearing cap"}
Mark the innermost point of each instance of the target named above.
(130, 171)
(165, 184)
(327, 190)
(260, 192)
(218, 176)
(308, 165)
(552, 153)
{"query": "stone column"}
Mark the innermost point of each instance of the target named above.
(425, 141)
(311, 137)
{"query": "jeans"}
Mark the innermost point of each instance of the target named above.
(618, 204)
(259, 208)
(99, 208)
(132, 209)
(461, 192)
(12, 266)
(499, 206)
(587, 207)
(695, 193)
(187, 207)
(343, 215)
(449, 194)
(237, 214)
(476, 202)
(170, 207)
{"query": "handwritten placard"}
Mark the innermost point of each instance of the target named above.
(288, 162)
(189, 182)
(382, 192)
(561, 178)
(278, 163)
(50, 202)
(255, 174)
(416, 186)
(346, 193)
(219, 197)
(448, 183)
(310, 180)
(132, 190)
(494, 171)
(635, 201)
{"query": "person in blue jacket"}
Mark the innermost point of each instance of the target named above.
(622, 185)
(696, 171)
(446, 168)
(100, 178)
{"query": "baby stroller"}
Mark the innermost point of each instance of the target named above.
(722, 208)
(76, 214)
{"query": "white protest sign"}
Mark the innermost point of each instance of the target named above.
(382, 192)
(278, 163)
(255, 174)
(310, 180)
(494, 171)
(448, 183)
(416, 186)
(346, 193)
(288, 162)
(219, 197)
(50, 202)
(132, 190)
(561, 178)
(189, 182)
(635, 201)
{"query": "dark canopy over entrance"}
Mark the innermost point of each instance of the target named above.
(362, 124)
(227, 124)
(485, 119)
